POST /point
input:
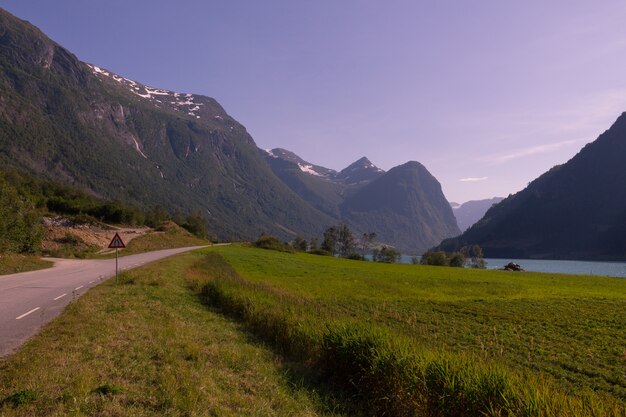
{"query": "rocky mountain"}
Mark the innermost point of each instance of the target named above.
(116, 138)
(574, 211)
(304, 166)
(360, 171)
(80, 124)
(404, 206)
(470, 212)
(314, 184)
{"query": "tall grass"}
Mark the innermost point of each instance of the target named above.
(382, 369)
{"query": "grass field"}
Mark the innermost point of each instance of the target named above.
(149, 347)
(316, 335)
(506, 343)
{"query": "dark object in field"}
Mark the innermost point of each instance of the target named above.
(512, 266)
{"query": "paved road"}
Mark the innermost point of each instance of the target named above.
(31, 299)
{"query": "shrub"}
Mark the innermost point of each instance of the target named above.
(440, 258)
(272, 242)
(386, 254)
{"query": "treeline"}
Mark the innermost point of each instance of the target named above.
(471, 256)
(337, 241)
(24, 200)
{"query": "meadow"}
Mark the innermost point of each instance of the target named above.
(418, 340)
(236, 331)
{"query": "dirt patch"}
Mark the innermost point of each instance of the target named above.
(60, 232)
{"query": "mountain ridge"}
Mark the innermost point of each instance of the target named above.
(576, 210)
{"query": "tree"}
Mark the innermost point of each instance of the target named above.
(345, 241)
(435, 258)
(329, 244)
(386, 254)
(20, 224)
(475, 253)
(196, 224)
(367, 241)
(300, 244)
(456, 259)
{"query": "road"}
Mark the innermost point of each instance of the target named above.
(29, 300)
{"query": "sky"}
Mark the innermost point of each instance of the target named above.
(486, 94)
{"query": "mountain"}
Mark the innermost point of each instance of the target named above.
(405, 206)
(574, 211)
(312, 183)
(470, 212)
(360, 171)
(118, 139)
(304, 166)
(65, 120)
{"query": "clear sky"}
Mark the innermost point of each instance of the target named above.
(487, 94)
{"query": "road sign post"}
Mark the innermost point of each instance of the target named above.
(116, 243)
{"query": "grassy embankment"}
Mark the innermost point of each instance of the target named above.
(148, 347)
(415, 340)
(11, 263)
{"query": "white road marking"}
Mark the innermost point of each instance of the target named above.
(26, 314)
(91, 282)
(79, 287)
(60, 296)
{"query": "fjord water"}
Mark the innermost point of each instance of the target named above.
(609, 269)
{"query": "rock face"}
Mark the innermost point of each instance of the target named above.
(574, 211)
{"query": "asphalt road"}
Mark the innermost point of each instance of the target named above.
(29, 300)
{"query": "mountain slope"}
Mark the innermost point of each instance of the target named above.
(574, 211)
(66, 120)
(470, 212)
(405, 206)
(312, 183)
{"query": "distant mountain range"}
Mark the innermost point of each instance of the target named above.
(80, 124)
(574, 211)
(470, 212)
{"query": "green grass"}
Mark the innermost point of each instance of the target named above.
(11, 263)
(436, 340)
(149, 347)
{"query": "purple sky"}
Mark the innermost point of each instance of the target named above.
(486, 94)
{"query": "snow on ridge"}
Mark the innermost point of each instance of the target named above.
(144, 91)
(308, 169)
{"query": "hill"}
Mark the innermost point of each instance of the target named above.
(574, 211)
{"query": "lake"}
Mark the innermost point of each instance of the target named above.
(610, 269)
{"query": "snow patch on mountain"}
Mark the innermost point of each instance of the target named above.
(309, 170)
(179, 100)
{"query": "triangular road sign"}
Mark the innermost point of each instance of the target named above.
(116, 242)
